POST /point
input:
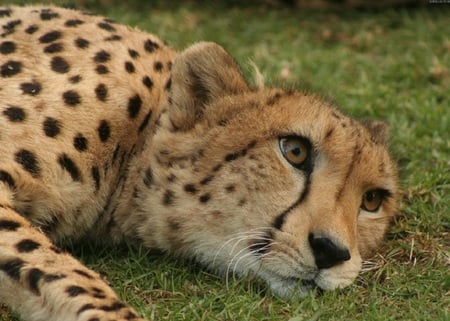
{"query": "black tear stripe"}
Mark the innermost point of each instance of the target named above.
(279, 220)
(355, 157)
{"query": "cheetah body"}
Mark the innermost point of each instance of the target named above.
(106, 132)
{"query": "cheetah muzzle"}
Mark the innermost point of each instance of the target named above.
(106, 132)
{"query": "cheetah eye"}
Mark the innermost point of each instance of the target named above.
(373, 199)
(295, 149)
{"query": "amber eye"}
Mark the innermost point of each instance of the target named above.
(295, 149)
(372, 200)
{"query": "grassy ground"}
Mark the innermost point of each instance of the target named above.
(392, 65)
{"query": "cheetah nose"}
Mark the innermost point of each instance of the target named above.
(327, 253)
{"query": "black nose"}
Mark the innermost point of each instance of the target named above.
(326, 253)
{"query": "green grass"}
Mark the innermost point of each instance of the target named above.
(392, 65)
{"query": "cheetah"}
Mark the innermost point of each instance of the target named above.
(107, 133)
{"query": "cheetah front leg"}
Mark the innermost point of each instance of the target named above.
(43, 283)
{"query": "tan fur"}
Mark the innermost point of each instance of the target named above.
(190, 164)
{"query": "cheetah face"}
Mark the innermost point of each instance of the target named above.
(266, 182)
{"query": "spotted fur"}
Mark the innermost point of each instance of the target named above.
(107, 132)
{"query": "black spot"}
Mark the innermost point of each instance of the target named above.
(60, 65)
(31, 29)
(217, 168)
(98, 293)
(205, 198)
(71, 98)
(53, 48)
(129, 67)
(131, 316)
(7, 47)
(150, 46)
(28, 162)
(113, 307)
(31, 88)
(27, 245)
(86, 307)
(145, 122)
(171, 178)
(51, 127)
(67, 164)
(133, 53)
(158, 66)
(73, 23)
(8, 225)
(230, 188)
(83, 274)
(148, 178)
(75, 79)
(5, 12)
(96, 176)
(80, 143)
(168, 84)
(50, 37)
(190, 188)
(113, 38)
(7, 178)
(102, 56)
(15, 114)
(47, 14)
(75, 290)
(329, 132)
(10, 27)
(102, 69)
(274, 99)
(10, 68)
(168, 197)
(104, 131)
(33, 278)
(206, 180)
(101, 92)
(106, 26)
(147, 82)
(12, 267)
(54, 277)
(231, 157)
(82, 43)
(94, 319)
(134, 106)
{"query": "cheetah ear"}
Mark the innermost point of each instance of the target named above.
(379, 131)
(201, 74)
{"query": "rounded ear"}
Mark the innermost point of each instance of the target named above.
(379, 131)
(201, 74)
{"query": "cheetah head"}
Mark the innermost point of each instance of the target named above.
(272, 183)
